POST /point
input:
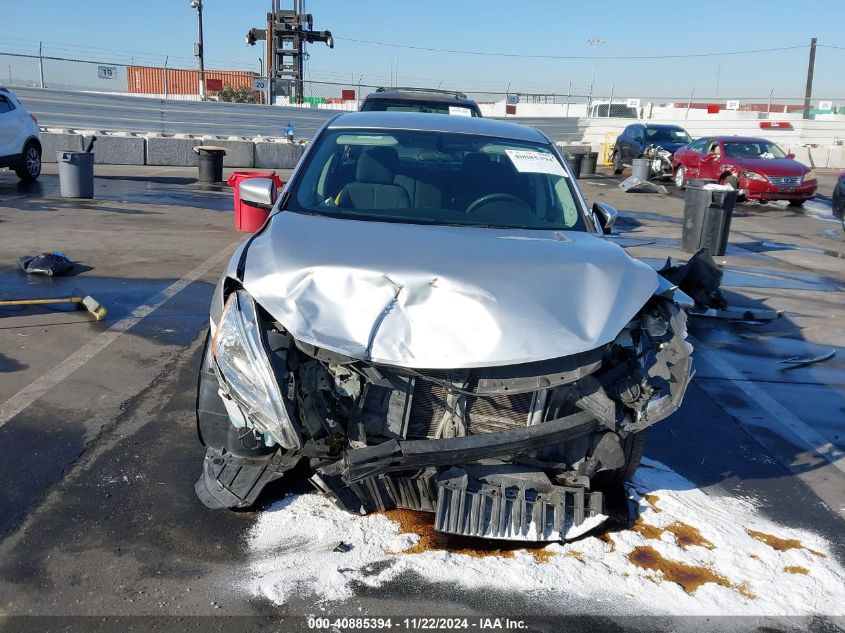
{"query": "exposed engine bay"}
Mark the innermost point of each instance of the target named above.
(514, 452)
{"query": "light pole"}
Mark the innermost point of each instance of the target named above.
(197, 4)
(595, 42)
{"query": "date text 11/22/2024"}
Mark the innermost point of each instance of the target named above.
(416, 624)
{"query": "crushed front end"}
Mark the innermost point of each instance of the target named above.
(512, 452)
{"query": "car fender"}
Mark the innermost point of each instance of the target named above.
(34, 139)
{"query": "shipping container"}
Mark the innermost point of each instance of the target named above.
(151, 80)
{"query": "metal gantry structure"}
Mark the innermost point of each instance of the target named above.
(287, 33)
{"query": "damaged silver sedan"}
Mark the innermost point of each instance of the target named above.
(432, 319)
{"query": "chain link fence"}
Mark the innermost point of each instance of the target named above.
(161, 82)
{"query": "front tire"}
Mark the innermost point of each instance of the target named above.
(617, 163)
(29, 168)
(633, 447)
(680, 177)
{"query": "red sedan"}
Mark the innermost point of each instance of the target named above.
(757, 167)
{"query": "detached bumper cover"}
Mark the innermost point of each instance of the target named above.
(492, 500)
(513, 505)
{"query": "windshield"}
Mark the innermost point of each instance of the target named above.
(436, 178)
(667, 135)
(406, 105)
(754, 149)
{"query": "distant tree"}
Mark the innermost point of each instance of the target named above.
(236, 95)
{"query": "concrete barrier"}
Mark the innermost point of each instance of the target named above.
(52, 142)
(275, 155)
(171, 151)
(239, 152)
(118, 149)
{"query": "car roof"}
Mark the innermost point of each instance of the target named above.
(437, 123)
(663, 126)
(739, 139)
(423, 95)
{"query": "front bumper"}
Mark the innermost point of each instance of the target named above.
(757, 190)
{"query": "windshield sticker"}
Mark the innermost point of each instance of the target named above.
(459, 111)
(530, 162)
(366, 139)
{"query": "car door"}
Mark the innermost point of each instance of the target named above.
(712, 160)
(622, 140)
(635, 141)
(11, 128)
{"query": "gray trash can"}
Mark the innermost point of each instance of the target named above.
(575, 161)
(210, 162)
(641, 168)
(588, 166)
(76, 174)
(708, 209)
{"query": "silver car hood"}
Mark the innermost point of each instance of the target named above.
(440, 297)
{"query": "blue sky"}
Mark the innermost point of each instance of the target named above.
(143, 32)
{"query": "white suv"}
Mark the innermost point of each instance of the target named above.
(20, 144)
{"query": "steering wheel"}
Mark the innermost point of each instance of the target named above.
(489, 198)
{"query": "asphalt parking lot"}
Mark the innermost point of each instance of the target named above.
(98, 449)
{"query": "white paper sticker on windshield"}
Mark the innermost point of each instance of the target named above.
(459, 111)
(530, 162)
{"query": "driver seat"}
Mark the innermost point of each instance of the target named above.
(374, 186)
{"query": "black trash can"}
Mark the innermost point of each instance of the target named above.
(588, 165)
(210, 162)
(575, 161)
(707, 217)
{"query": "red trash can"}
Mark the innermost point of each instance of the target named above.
(248, 218)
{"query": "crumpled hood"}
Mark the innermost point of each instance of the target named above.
(441, 297)
(772, 166)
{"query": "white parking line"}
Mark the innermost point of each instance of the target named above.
(780, 420)
(33, 391)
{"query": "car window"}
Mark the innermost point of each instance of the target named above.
(755, 149)
(441, 178)
(714, 148)
(5, 105)
(667, 135)
(698, 146)
(403, 105)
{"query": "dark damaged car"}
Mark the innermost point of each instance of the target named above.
(432, 319)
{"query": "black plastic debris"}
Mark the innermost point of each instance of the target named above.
(50, 264)
(700, 278)
(342, 547)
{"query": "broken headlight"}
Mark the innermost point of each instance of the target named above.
(245, 373)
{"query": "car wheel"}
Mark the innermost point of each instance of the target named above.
(796, 203)
(633, 447)
(680, 177)
(617, 163)
(30, 165)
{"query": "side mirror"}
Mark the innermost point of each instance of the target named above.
(790, 155)
(605, 215)
(258, 192)
(710, 157)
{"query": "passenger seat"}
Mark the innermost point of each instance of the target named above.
(374, 186)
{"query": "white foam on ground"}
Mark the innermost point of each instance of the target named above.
(292, 545)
